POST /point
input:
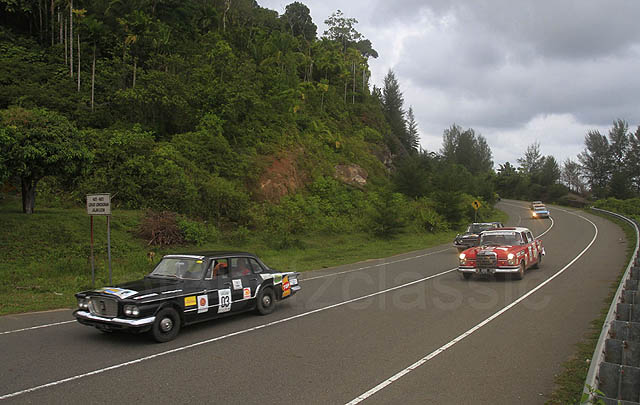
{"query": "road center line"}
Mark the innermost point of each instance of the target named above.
(443, 348)
(376, 265)
(240, 332)
(35, 327)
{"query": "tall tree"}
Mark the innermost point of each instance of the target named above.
(341, 29)
(38, 143)
(618, 144)
(596, 162)
(392, 106)
(466, 148)
(412, 130)
(299, 21)
(571, 176)
(550, 171)
(633, 160)
(532, 161)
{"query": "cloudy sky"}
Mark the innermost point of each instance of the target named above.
(517, 72)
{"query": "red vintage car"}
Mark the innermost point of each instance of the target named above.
(502, 251)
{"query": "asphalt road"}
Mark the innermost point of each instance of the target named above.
(402, 329)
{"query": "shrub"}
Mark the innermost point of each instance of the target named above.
(387, 214)
(426, 217)
(160, 228)
(196, 232)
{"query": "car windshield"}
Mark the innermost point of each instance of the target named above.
(500, 239)
(540, 209)
(477, 228)
(185, 268)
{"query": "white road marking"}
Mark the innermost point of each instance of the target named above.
(376, 265)
(240, 332)
(35, 327)
(443, 348)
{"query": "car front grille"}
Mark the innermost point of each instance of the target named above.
(107, 307)
(486, 260)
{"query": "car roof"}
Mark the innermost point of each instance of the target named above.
(215, 253)
(510, 228)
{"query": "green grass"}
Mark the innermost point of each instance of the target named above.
(570, 382)
(45, 257)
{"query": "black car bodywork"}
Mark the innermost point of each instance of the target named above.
(184, 289)
(471, 237)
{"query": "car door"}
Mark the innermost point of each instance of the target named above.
(243, 282)
(534, 248)
(202, 303)
(215, 298)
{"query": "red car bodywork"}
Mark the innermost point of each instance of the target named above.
(502, 251)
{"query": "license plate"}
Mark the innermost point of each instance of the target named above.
(293, 281)
(483, 271)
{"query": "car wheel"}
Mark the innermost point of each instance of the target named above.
(166, 326)
(520, 274)
(266, 301)
(466, 276)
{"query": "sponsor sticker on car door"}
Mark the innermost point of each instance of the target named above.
(203, 303)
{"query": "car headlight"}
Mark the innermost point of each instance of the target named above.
(131, 310)
(463, 258)
(511, 258)
(535, 215)
(83, 303)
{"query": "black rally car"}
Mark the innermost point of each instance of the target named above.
(184, 289)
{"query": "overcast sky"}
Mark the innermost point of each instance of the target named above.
(517, 72)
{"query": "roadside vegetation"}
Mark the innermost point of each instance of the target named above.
(570, 382)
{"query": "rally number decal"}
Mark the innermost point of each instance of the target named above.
(224, 300)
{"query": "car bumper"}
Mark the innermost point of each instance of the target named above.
(498, 270)
(100, 322)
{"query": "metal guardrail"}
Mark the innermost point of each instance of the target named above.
(614, 372)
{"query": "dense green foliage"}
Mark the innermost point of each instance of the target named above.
(198, 108)
(629, 207)
(611, 164)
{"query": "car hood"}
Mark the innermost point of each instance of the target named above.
(499, 250)
(140, 289)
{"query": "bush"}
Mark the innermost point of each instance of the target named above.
(160, 228)
(197, 233)
(387, 214)
(426, 218)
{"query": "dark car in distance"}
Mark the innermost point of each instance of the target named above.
(186, 288)
(471, 237)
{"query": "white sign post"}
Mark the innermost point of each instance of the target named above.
(100, 204)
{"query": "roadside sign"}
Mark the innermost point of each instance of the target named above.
(476, 204)
(99, 204)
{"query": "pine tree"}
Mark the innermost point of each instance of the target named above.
(412, 131)
(392, 103)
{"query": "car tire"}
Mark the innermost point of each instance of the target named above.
(520, 274)
(166, 326)
(466, 276)
(266, 301)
